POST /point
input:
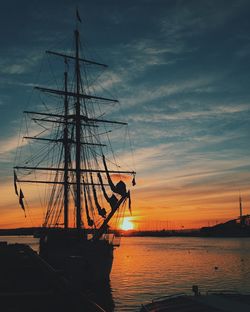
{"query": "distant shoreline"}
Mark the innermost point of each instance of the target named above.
(161, 233)
(18, 231)
(203, 232)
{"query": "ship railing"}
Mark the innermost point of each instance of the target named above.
(222, 291)
(227, 292)
(116, 241)
(112, 239)
(146, 307)
(157, 299)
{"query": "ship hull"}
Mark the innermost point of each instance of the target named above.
(81, 260)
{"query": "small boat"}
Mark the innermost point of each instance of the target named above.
(86, 185)
(215, 301)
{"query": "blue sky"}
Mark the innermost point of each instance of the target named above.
(181, 71)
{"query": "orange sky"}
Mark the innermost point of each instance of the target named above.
(174, 203)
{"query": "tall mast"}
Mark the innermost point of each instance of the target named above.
(66, 153)
(78, 133)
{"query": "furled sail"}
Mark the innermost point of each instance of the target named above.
(112, 200)
(90, 221)
(129, 203)
(101, 211)
(133, 181)
(15, 183)
(120, 187)
(21, 196)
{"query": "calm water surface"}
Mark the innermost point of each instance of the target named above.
(145, 267)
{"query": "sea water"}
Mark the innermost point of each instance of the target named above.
(148, 267)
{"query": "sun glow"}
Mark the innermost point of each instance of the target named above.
(127, 225)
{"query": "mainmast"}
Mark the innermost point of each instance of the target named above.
(66, 152)
(78, 133)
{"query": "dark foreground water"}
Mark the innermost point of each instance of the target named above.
(145, 267)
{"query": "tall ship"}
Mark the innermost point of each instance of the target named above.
(71, 156)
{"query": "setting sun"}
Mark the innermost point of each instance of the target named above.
(127, 225)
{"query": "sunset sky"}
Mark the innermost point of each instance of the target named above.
(181, 71)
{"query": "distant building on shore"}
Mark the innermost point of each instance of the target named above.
(239, 227)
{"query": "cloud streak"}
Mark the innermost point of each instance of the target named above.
(22, 65)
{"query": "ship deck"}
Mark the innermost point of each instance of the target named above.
(28, 284)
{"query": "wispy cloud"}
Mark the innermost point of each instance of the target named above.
(11, 145)
(148, 52)
(107, 81)
(6, 146)
(23, 63)
(188, 19)
(209, 112)
(146, 94)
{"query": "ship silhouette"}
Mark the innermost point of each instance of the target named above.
(74, 162)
